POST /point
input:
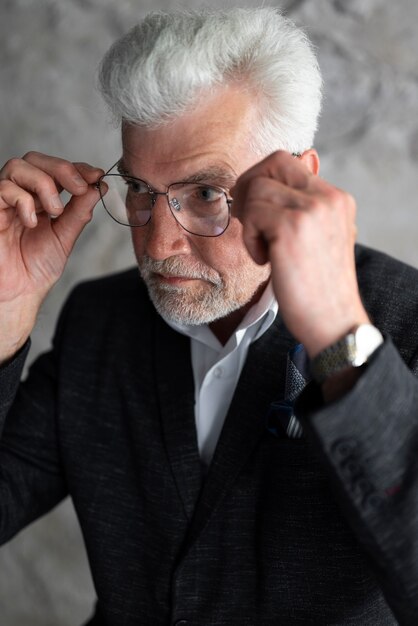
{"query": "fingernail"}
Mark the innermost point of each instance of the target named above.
(33, 218)
(56, 204)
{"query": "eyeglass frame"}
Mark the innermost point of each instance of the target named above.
(153, 193)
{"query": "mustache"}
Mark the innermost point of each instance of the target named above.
(175, 266)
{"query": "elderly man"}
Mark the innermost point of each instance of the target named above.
(210, 488)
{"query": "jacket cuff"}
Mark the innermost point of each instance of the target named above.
(10, 375)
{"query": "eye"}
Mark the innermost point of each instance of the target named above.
(136, 186)
(208, 194)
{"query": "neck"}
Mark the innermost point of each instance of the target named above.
(224, 327)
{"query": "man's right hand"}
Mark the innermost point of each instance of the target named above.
(37, 234)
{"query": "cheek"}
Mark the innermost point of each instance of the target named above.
(235, 262)
(234, 250)
(224, 253)
(229, 257)
(138, 241)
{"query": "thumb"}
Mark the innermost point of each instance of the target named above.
(77, 214)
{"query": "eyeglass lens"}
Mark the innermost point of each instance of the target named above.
(199, 209)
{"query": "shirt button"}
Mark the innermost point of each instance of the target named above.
(218, 372)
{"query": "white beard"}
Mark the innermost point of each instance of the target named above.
(207, 301)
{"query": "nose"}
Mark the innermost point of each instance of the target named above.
(163, 236)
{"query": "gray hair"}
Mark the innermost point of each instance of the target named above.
(156, 72)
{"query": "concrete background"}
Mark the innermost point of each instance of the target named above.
(49, 52)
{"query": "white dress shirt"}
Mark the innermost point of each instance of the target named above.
(217, 368)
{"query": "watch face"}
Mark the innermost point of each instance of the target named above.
(367, 339)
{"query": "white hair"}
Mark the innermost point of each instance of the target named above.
(158, 70)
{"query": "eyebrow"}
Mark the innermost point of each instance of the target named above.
(213, 174)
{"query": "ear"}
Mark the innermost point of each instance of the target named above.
(311, 159)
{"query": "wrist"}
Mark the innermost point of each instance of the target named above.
(344, 357)
(17, 320)
(9, 349)
(6, 359)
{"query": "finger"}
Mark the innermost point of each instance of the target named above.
(35, 181)
(275, 212)
(14, 197)
(267, 192)
(257, 246)
(73, 179)
(78, 213)
(63, 174)
(260, 228)
(89, 173)
(46, 183)
(281, 166)
(251, 185)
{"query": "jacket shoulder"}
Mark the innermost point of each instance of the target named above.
(127, 283)
(389, 290)
(116, 301)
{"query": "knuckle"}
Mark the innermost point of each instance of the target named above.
(315, 204)
(85, 218)
(10, 190)
(279, 156)
(12, 164)
(30, 156)
(44, 185)
(25, 198)
(336, 197)
(342, 200)
(5, 183)
(351, 203)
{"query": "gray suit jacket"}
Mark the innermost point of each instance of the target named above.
(318, 530)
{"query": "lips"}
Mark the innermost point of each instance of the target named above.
(174, 278)
(170, 271)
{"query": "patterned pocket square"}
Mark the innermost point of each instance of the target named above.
(281, 421)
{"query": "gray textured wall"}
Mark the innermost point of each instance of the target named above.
(49, 51)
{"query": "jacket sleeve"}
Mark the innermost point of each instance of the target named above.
(35, 423)
(368, 443)
(31, 478)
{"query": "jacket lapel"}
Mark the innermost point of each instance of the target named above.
(175, 390)
(262, 381)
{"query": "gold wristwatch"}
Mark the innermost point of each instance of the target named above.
(353, 350)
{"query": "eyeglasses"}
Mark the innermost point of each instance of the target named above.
(203, 210)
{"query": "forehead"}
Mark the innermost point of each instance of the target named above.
(215, 134)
